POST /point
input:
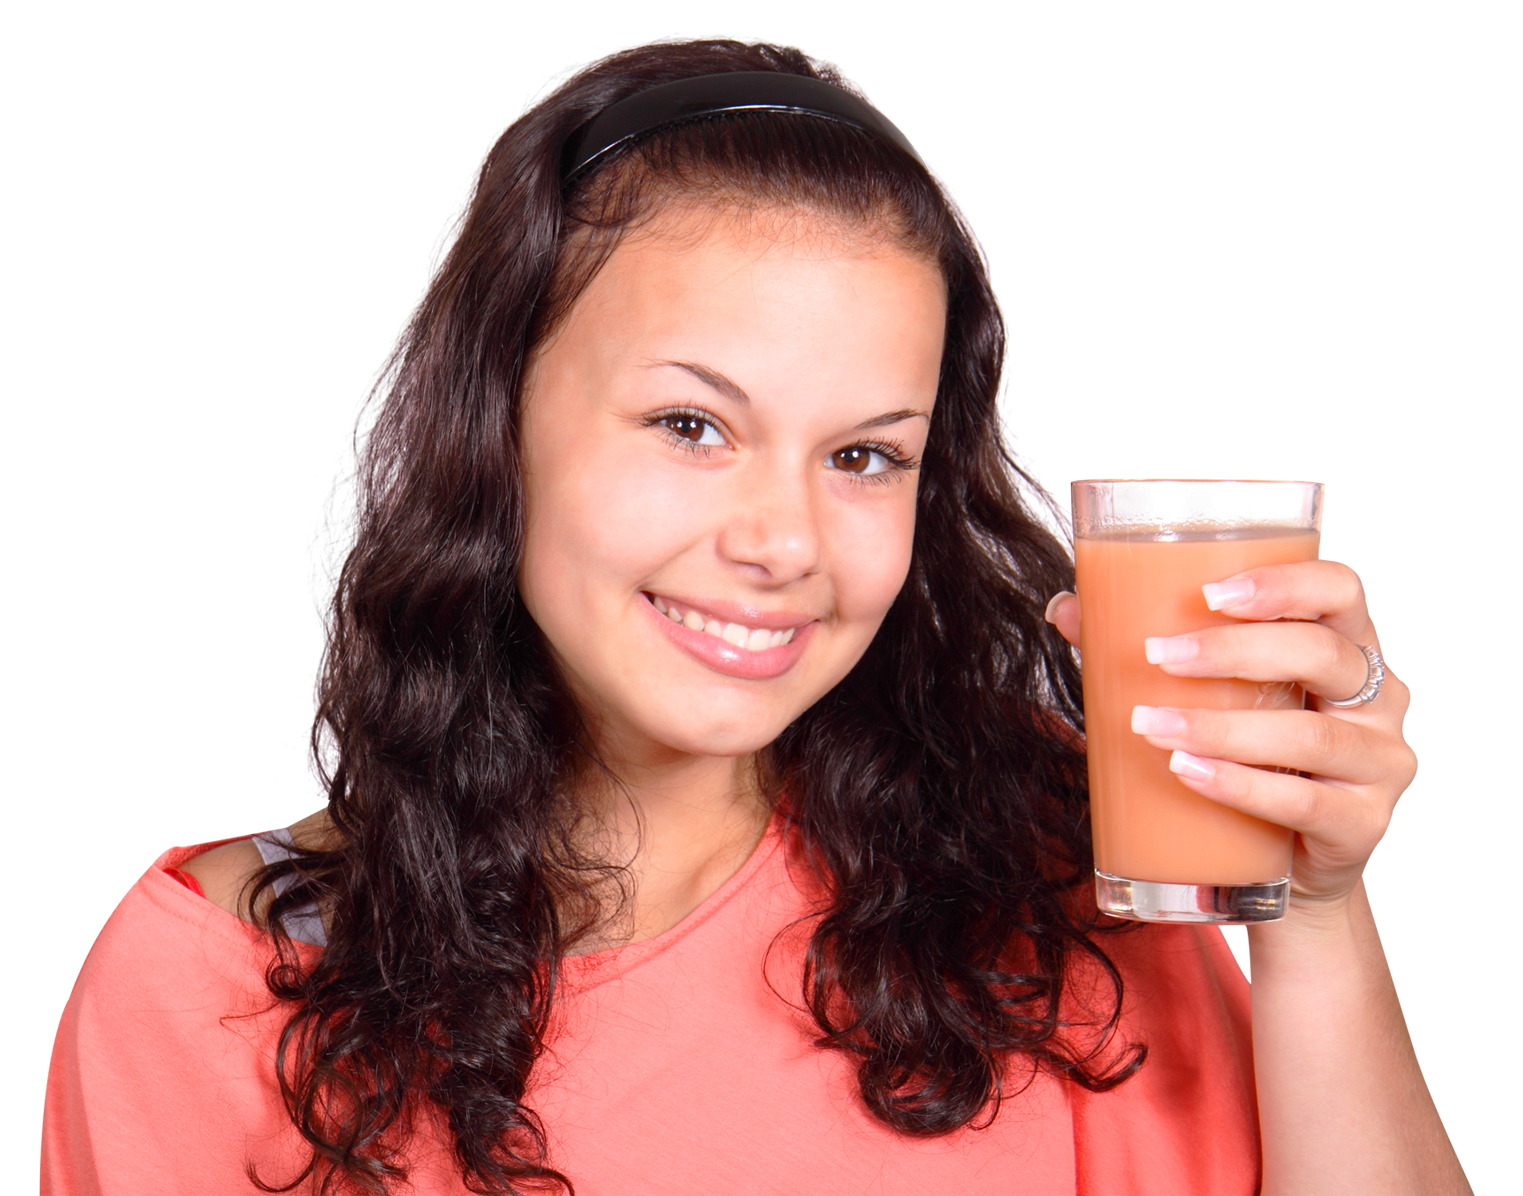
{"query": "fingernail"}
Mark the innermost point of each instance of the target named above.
(1157, 720)
(1233, 592)
(1186, 765)
(1052, 604)
(1170, 649)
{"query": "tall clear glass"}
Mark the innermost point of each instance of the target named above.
(1143, 550)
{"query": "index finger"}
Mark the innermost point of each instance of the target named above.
(1325, 592)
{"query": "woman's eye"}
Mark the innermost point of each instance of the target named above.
(694, 429)
(881, 463)
(859, 459)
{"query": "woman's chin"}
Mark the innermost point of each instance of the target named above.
(719, 742)
(727, 745)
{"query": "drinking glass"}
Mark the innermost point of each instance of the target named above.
(1143, 550)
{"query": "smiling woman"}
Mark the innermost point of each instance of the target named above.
(707, 803)
(694, 441)
(704, 374)
(695, 477)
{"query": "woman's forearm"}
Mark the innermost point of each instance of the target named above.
(1342, 1102)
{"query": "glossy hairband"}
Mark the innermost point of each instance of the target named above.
(707, 95)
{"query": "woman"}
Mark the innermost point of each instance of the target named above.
(706, 792)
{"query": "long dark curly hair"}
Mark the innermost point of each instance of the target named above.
(939, 789)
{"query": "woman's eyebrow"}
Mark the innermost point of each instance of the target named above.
(735, 394)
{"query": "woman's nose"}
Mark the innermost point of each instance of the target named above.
(772, 524)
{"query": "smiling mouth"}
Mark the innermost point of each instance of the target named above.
(737, 635)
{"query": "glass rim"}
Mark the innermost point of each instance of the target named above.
(1151, 507)
(1192, 482)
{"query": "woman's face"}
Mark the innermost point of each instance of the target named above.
(720, 444)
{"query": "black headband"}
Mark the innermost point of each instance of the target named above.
(735, 91)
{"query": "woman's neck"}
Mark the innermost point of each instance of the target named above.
(680, 843)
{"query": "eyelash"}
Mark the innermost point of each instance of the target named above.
(899, 461)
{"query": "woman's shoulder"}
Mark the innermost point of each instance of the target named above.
(1191, 1107)
(222, 874)
(170, 1024)
(187, 914)
(223, 870)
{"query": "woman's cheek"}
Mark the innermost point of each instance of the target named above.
(654, 514)
(680, 490)
(874, 544)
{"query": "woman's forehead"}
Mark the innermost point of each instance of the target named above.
(791, 280)
(686, 222)
(695, 262)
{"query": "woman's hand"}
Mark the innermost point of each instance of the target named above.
(1342, 1102)
(1303, 623)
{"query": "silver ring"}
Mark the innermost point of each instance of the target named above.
(1374, 678)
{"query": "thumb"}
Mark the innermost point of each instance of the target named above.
(1063, 613)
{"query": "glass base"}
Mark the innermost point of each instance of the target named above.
(1154, 901)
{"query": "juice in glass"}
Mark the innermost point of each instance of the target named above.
(1142, 552)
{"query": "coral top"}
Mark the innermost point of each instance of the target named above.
(675, 1068)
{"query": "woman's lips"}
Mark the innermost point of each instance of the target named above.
(752, 617)
(725, 647)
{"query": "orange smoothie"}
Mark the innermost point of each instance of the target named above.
(1148, 826)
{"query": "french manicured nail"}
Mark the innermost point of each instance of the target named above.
(1052, 604)
(1233, 592)
(1186, 765)
(1157, 720)
(1170, 649)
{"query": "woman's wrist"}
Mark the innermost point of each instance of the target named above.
(1318, 932)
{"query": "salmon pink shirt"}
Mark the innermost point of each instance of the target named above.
(680, 1065)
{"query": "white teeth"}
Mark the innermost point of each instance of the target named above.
(736, 634)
